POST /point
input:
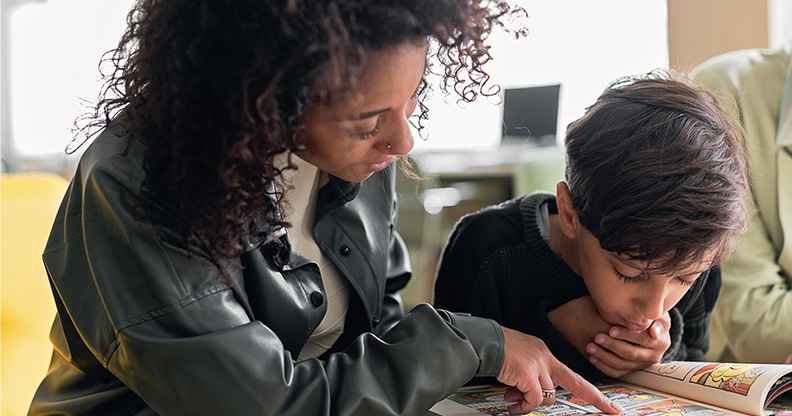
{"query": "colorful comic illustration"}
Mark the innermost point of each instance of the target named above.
(642, 403)
(781, 404)
(486, 399)
(669, 370)
(623, 396)
(673, 407)
(489, 400)
(735, 378)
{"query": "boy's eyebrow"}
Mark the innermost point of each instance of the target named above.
(627, 262)
(632, 264)
(696, 273)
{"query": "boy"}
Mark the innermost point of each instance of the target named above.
(618, 269)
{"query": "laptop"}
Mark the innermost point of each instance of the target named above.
(530, 115)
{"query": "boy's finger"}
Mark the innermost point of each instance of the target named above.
(608, 363)
(649, 338)
(657, 329)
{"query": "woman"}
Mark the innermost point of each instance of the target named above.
(227, 245)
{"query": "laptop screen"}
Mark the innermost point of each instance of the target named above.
(530, 115)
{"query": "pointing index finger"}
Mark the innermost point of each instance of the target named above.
(576, 384)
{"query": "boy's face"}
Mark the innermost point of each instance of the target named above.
(624, 291)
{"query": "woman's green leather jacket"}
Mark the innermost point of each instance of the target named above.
(144, 327)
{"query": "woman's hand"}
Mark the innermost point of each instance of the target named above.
(530, 367)
(614, 350)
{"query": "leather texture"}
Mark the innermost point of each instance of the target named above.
(146, 327)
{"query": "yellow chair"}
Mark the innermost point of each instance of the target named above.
(28, 204)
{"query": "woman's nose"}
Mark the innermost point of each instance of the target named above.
(398, 139)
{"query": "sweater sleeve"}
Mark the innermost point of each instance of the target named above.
(690, 321)
(459, 286)
(482, 272)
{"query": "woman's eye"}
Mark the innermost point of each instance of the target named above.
(371, 133)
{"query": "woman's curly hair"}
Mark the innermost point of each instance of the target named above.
(216, 88)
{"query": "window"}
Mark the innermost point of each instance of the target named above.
(581, 44)
(54, 48)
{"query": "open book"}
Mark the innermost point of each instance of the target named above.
(674, 388)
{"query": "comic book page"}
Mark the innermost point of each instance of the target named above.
(488, 400)
(746, 388)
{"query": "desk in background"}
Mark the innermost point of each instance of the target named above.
(455, 183)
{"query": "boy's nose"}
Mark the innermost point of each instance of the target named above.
(651, 304)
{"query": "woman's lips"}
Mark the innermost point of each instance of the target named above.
(376, 167)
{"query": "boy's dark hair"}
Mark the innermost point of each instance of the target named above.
(657, 172)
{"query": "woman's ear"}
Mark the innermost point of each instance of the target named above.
(567, 215)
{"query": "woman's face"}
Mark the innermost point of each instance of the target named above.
(356, 137)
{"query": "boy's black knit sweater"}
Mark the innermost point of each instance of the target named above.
(497, 265)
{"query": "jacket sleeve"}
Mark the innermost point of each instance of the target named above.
(398, 274)
(244, 369)
(178, 335)
(756, 299)
(202, 355)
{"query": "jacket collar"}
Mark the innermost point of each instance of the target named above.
(347, 191)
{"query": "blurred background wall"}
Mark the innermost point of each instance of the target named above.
(51, 50)
(49, 56)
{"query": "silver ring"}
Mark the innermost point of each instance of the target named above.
(548, 394)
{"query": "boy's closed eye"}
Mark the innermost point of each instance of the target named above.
(627, 279)
(688, 280)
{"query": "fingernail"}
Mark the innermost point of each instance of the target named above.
(591, 349)
(617, 407)
(614, 332)
(657, 331)
(599, 339)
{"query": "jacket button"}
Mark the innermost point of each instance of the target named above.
(317, 299)
(345, 250)
(375, 322)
